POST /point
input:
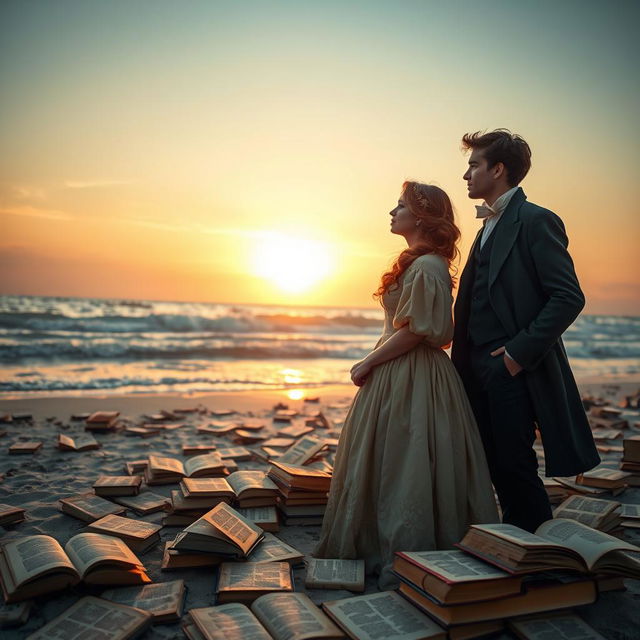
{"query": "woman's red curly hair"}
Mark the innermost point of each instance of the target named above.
(440, 235)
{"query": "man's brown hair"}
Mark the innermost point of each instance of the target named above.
(502, 146)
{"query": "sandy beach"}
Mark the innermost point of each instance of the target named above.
(37, 481)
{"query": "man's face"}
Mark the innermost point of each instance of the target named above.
(480, 179)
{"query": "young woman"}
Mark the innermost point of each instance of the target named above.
(410, 472)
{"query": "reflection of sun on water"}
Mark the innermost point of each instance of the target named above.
(295, 394)
(293, 376)
(293, 264)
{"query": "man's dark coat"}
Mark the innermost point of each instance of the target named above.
(534, 291)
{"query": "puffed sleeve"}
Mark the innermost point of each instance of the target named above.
(425, 301)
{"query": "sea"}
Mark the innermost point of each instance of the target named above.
(52, 346)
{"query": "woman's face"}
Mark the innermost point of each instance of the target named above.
(403, 221)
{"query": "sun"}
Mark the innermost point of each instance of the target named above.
(292, 263)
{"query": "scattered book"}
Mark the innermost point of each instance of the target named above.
(217, 489)
(102, 421)
(278, 443)
(299, 477)
(136, 467)
(14, 615)
(603, 478)
(604, 515)
(284, 415)
(244, 582)
(364, 617)
(253, 488)
(10, 514)
(334, 574)
(37, 565)
(246, 436)
(274, 616)
(237, 453)
(222, 531)
(272, 549)
(89, 507)
(147, 431)
(162, 470)
(138, 535)
(144, 503)
(84, 442)
(107, 486)
(31, 446)
(563, 626)
(163, 600)
(556, 544)
(92, 617)
(302, 451)
(197, 449)
(264, 517)
(217, 428)
(222, 413)
(295, 430)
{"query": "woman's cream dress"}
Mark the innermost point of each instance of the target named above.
(410, 472)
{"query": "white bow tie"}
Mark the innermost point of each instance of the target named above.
(484, 211)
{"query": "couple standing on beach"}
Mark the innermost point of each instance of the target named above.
(427, 436)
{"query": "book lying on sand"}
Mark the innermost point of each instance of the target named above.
(93, 617)
(546, 594)
(453, 577)
(603, 478)
(31, 446)
(264, 517)
(84, 442)
(246, 581)
(299, 477)
(303, 450)
(136, 467)
(222, 531)
(162, 470)
(216, 489)
(247, 488)
(14, 615)
(197, 449)
(173, 560)
(272, 549)
(556, 544)
(89, 507)
(279, 616)
(36, 565)
(603, 515)
(328, 573)
(560, 626)
(145, 502)
(235, 453)
(163, 600)
(107, 486)
(138, 535)
(10, 515)
(382, 615)
(102, 421)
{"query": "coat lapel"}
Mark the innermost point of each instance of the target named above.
(506, 233)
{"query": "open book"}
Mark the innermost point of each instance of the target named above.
(299, 477)
(89, 507)
(334, 574)
(279, 616)
(96, 618)
(36, 565)
(83, 442)
(556, 544)
(302, 451)
(561, 626)
(246, 581)
(272, 549)
(162, 470)
(222, 531)
(452, 577)
(138, 535)
(363, 618)
(595, 513)
(163, 600)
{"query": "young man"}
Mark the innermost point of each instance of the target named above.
(518, 293)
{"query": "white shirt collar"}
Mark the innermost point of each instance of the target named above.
(497, 208)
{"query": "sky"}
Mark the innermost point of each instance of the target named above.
(250, 152)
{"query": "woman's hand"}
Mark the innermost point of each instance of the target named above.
(359, 372)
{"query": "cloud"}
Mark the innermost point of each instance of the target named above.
(33, 212)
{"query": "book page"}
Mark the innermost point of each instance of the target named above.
(94, 618)
(232, 621)
(582, 504)
(143, 501)
(293, 616)
(158, 598)
(67, 441)
(272, 549)
(196, 486)
(454, 566)
(589, 543)
(158, 463)
(516, 535)
(384, 615)
(322, 572)
(251, 576)
(302, 450)
(249, 479)
(87, 549)
(117, 524)
(206, 461)
(34, 555)
(91, 504)
(238, 529)
(557, 627)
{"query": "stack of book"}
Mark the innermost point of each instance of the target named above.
(502, 571)
(606, 418)
(605, 478)
(630, 514)
(631, 460)
(102, 421)
(303, 492)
